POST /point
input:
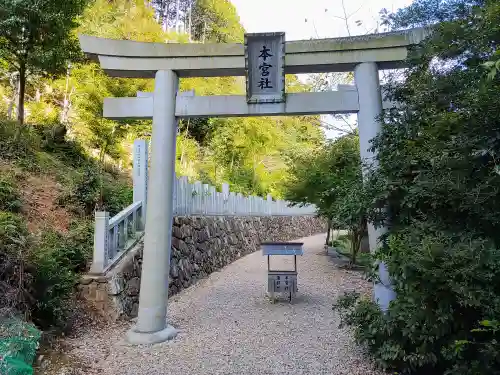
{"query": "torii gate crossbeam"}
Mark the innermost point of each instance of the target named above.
(192, 106)
(364, 55)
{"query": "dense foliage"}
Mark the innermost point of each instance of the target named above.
(39, 270)
(447, 284)
(35, 38)
(249, 165)
(439, 179)
(330, 177)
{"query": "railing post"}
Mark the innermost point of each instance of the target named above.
(140, 173)
(231, 201)
(225, 199)
(204, 201)
(175, 192)
(269, 205)
(101, 256)
(238, 209)
(140, 220)
(197, 198)
(182, 195)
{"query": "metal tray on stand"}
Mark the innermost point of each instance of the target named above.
(282, 282)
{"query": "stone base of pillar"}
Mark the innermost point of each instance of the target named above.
(149, 338)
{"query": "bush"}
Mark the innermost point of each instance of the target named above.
(57, 260)
(446, 283)
(14, 273)
(71, 152)
(486, 340)
(92, 189)
(116, 196)
(85, 191)
(37, 278)
(53, 285)
(17, 141)
(13, 233)
(10, 199)
(339, 244)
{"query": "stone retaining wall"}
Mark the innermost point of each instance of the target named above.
(200, 246)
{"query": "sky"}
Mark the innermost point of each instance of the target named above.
(306, 19)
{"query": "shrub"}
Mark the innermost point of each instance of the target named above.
(53, 284)
(71, 152)
(13, 233)
(92, 189)
(14, 272)
(38, 277)
(17, 141)
(9, 195)
(339, 244)
(57, 260)
(446, 283)
(85, 191)
(116, 196)
(486, 340)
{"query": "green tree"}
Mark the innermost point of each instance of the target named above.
(439, 155)
(439, 178)
(216, 21)
(248, 153)
(331, 179)
(129, 20)
(36, 38)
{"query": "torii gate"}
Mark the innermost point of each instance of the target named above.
(364, 55)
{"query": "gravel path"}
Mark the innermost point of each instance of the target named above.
(228, 326)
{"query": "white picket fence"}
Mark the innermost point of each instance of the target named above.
(114, 236)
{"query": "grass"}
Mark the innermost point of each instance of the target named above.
(343, 246)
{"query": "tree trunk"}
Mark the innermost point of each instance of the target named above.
(329, 230)
(190, 23)
(14, 99)
(355, 244)
(166, 6)
(66, 102)
(204, 30)
(177, 5)
(22, 88)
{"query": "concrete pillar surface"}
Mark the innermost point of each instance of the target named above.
(151, 324)
(140, 172)
(370, 108)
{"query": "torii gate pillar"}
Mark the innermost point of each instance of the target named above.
(151, 324)
(370, 108)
